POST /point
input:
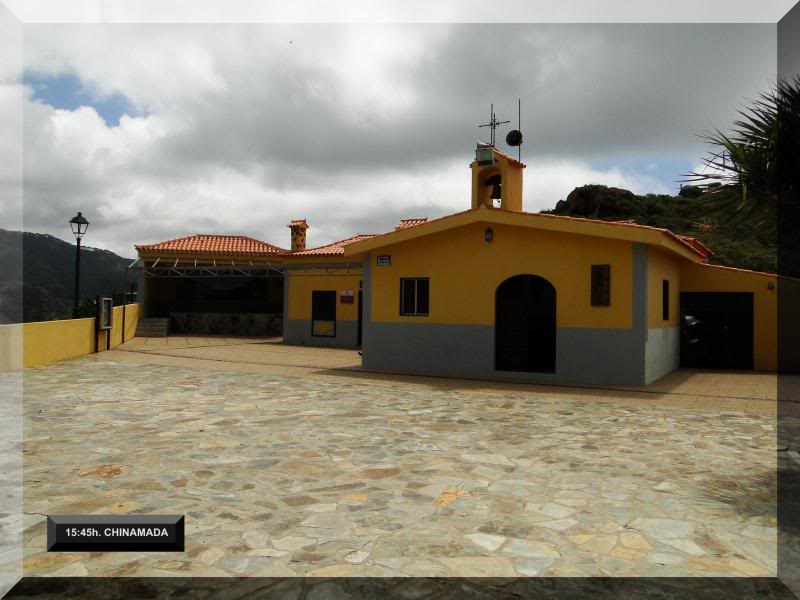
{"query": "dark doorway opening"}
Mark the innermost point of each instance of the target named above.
(525, 325)
(323, 313)
(717, 330)
(256, 295)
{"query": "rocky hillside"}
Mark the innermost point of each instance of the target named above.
(734, 244)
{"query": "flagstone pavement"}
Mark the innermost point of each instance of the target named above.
(282, 474)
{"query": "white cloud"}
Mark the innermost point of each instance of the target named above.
(547, 182)
(354, 127)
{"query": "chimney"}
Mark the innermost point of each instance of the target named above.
(298, 229)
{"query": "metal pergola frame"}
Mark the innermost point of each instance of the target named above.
(167, 267)
(215, 269)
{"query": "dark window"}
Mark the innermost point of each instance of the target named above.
(601, 285)
(665, 300)
(414, 294)
(323, 313)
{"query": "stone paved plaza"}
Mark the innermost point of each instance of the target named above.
(324, 473)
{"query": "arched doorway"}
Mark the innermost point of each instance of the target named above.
(525, 325)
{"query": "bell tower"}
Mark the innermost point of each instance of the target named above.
(496, 179)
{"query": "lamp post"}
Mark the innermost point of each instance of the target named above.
(79, 225)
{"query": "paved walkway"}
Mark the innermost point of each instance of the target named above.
(324, 470)
(744, 390)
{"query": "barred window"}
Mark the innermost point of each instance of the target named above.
(414, 296)
(601, 285)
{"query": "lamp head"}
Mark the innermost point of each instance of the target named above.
(79, 225)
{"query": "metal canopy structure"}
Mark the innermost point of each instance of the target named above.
(168, 268)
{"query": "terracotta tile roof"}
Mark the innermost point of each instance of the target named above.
(696, 243)
(212, 244)
(334, 248)
(689, 242)
(685, 239)
(405, 223)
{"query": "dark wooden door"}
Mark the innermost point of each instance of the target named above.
(525, 325)
(323, 313)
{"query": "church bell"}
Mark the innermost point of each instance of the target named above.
(495, 192)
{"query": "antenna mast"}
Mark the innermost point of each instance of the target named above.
(492, 124)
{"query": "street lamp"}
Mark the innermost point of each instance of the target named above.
(79, 225)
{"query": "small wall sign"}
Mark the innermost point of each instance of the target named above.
(346, 297)
(384, 260)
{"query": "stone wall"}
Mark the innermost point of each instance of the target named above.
(266, 325)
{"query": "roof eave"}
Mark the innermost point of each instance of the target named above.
(667, 239)
(162, 252)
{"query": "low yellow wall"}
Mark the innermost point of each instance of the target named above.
(48, 341)
(711, 278)
(131, 319)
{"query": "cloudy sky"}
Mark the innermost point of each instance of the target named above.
(159, 131)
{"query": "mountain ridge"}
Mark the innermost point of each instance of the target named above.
(37, 276)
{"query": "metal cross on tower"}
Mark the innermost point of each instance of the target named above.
(492, 124)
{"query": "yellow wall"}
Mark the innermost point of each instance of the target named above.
(465, 270)
(301, 286)
(48, 341)
(131, 318)
(661, 266)
(535, 222)
(710, 278)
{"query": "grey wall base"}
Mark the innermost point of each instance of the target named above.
(298, 331)
(586, 356)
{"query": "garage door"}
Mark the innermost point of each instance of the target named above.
(717, 330)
